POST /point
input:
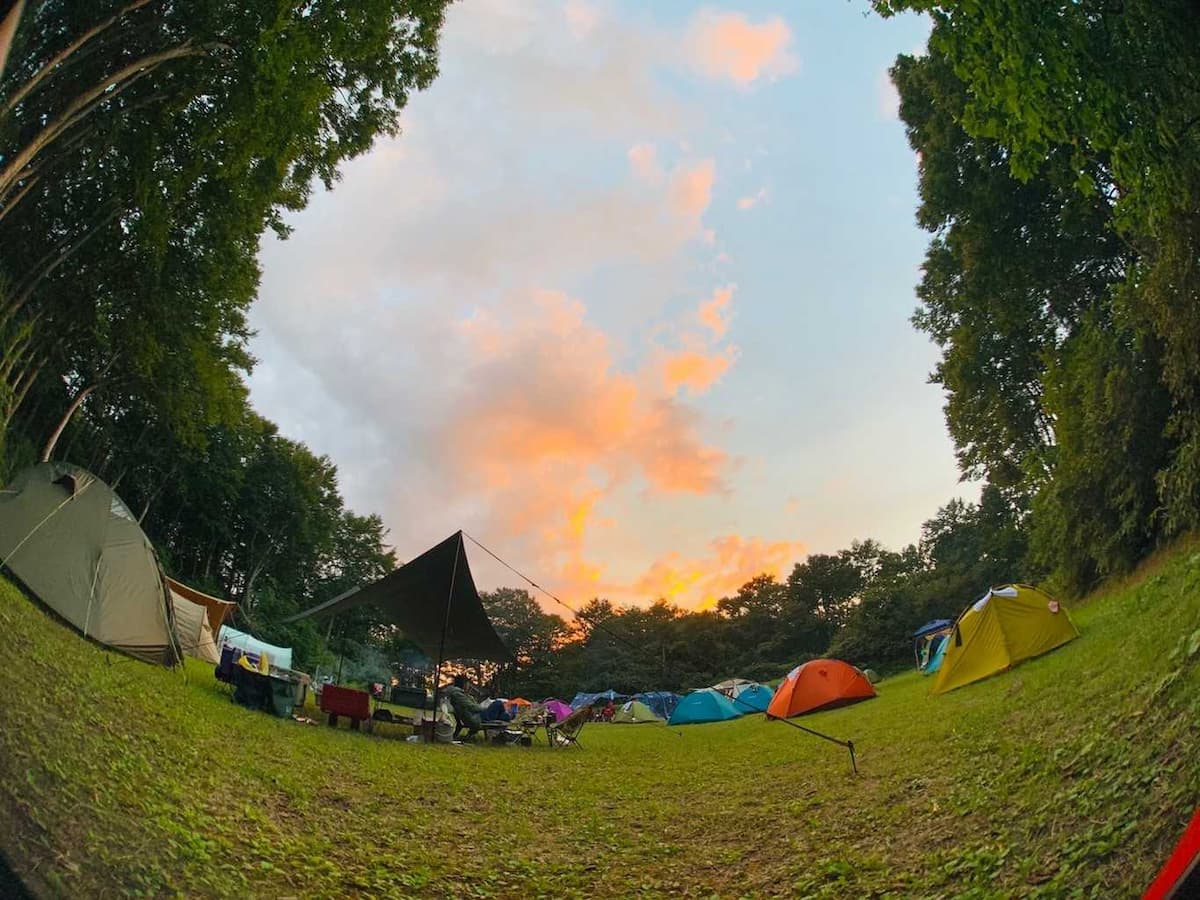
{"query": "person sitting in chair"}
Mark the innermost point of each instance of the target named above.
(466, 710)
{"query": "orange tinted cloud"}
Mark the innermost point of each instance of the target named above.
(731, 562)
(713, 313)
(691, 188)
(728, 45)
(752, 200)
(696, 370)
(643, 159)
(546, 425)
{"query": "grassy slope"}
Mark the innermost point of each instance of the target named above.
(1074, 772)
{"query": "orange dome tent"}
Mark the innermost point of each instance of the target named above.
(819, 684)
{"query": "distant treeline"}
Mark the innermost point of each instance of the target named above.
(146, 147)
(861, 604)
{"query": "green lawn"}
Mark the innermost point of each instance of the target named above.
(1073, 774)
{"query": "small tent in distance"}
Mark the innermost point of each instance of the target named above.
(634, 712)
(1005, 626)
(927, 644)
(704, 705)
(71, 541)
(751, 697)
(661, 703)
(819, 684)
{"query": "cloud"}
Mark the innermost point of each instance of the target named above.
(714, 312)
(581, 18)
(749, 202)
(729, 46)
(697, 370)
(691, 188)
(643, 161)
(466, 317)
(730, 563)
(887, 98)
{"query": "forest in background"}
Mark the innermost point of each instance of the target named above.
(146, 147)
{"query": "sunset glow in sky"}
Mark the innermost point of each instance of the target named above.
(627, 300)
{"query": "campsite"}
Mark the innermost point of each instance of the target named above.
(591, 448)
(975, 793)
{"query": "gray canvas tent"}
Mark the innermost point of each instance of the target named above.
(434, 602)
(68, 538)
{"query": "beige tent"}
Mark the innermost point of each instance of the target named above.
(73, 545)
(191, 625)
(217, 611)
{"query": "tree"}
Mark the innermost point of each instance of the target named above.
(1133, 146)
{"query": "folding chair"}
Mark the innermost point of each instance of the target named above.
(566, 732)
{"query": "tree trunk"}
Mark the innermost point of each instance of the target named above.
(62, 424)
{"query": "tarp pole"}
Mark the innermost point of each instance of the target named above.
(437, 672)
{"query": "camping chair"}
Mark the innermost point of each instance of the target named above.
(566, 732)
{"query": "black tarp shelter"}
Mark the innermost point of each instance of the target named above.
(433, 600)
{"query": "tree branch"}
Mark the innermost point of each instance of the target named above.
(69, 50)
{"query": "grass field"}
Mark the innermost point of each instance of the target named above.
(1071, 775)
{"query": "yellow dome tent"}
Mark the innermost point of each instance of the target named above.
(1007, 625)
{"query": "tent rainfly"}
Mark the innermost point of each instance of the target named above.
(432, 600)
(1005, 626)
(280, 657)
(634, 712)
(191, 626)
(216, 610)
(705, 705)
(74, 545)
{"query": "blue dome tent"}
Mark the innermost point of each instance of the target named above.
(705, 705)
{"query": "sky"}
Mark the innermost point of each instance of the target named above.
(627, 300)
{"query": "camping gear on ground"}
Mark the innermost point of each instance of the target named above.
(1005, 626)
(343, 701)
(819, 684)
(566, 733)
(558, 709)
(872, 676)
(705, 705)
(272, 692)
(434, 602)
(661, 703)
(527, 721)
(516, 704)
(279, 656)
(634, 712)
(1179, 877)
(233, 658)
(73, 544)
(191, 627)
(928, 641)
(751, 698)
